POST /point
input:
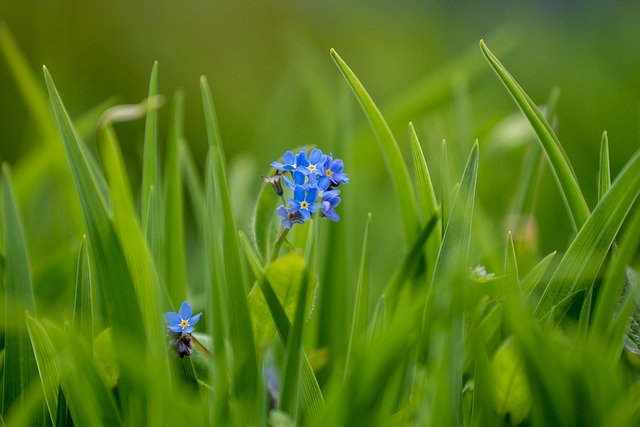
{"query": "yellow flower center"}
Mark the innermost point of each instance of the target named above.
(184, 323)
(304, 205)
(312, 168)
(328, 172)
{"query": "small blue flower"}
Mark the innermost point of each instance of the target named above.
(289, 162)
(324, 189)
(328, 208)
(181, 322)
(305, 201)
(289, 216)
(333, 171)
(298, 179)
(312, 165)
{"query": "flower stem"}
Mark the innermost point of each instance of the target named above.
(278, 245)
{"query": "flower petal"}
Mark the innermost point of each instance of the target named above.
(175, 328)
(185, 310)
(172, 318)
(315, 156)
(194, 319)
(188, 330)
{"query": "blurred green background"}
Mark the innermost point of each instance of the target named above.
(276, 88)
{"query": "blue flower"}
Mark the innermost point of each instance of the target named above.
(324, 189)
(333, 171)
(289, 216)
(298, 179)
(314, 164)
(328, 208)
(305, 201)
(181, 322)
(289, 162)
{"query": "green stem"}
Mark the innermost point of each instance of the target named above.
(278, 245)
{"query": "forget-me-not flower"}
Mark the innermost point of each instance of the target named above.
(182, 322)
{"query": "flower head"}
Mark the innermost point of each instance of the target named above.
(333, 171)
(289, 162)
(304, 201)
(181, 322)
(314, 164)
(289, 216)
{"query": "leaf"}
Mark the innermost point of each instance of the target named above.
(531, 280)
(194, 184)
(604, 170)
(245, 368)
(19, 367)
(262, 220)
(396, 166)
(150, 166)
(45, 358)
(510, 385)
(560, 165)
(175, 276)
(580, 264)
(284, 276)
(83, 305)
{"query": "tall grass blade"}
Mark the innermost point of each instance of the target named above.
(580, 264)
(193, 183)
(245, 367)
(396, 165)
(174, 268)
(150, 166)
(19, 367)
(604, 170)
(533, 278)
(560, 165)
(357, 337)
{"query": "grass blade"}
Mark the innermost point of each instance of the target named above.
(19, 367)
(396, 166)
(150, 167)
(359, 322)
(245, 367)
(45, 358)
(579, 266)
(193, 184)
(174, 268)
(531, 280)
(560, 165)
(83, 305)
(604, 171)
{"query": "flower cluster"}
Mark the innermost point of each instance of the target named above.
(313, 178)
(181, 325)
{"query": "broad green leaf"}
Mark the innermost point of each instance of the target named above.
(45, 356)
(396, 165)
(173, 265)
(291, 378)
(284, 276)
(244, 371)
(19, 367)
(83, 305)
(560, 165)
(312, 399)
(580, 264)
(510, 385)
(604, 170)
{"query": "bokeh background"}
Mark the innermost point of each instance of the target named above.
(276, 87)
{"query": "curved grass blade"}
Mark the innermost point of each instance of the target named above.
(426, 198)
(174, 268)
(245, 366)
(560, 165)
(45, 356)
(579, 266)
(396, 165)
(531, 280)
(604, 171)
(262, 220)
(19, 367)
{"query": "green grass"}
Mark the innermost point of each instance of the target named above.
(539, 339)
